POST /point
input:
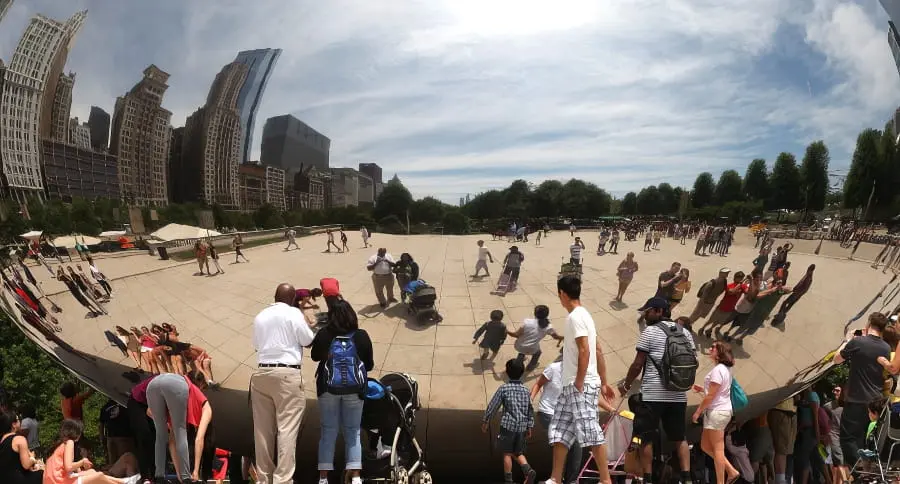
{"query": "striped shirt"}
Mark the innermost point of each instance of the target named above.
(653, 342)
(575, 251)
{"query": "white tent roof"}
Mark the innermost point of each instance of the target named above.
(32, 235)
(178, 231)
(111, 234)
(71, 240)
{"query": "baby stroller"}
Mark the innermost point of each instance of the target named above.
(422, 299)
(389, 419)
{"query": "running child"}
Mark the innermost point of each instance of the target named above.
(494, 332)
(516, 424)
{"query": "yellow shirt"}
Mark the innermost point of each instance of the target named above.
(787, 406)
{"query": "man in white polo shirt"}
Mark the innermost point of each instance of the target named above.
(381, 265)
(276, 388)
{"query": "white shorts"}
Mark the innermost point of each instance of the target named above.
(716, 419)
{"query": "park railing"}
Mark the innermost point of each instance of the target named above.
(224, 240)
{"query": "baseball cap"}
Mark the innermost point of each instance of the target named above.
(654, 303)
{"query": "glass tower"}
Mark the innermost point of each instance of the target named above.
(261, 63)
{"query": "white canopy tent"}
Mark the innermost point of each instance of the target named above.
(111, 234)
(179, 231)
(71, 240)
(32, 235)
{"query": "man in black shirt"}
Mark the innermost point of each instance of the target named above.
(115, 430)
(667, 281)
(864, 384)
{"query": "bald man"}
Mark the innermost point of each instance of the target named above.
(276, 388)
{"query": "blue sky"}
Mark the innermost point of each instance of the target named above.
(460, 96)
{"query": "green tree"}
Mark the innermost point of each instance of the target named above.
(84, 219)
(487, 205)
(395, 200)
(428, 210)
(784, 183)
(728, 189)
(668, 201)
(629, 204)
(864, 169)
(31, 377)
(13, 223)
(756, 180)
(814, 175)
(704, 190)
(649, 201)
(455, 222)
(545, 199)
(267, 217)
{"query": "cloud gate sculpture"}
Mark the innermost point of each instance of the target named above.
(100, 341)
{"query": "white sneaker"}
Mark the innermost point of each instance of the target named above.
(323, 480)
(356, 480)
(135, 479)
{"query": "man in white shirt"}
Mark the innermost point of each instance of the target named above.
(483, 256)
(381, 265)
(292, 239)
(364, 233)
(277, 399)
(575, 418)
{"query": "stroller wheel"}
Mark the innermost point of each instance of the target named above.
(400, 475)
(423, 477)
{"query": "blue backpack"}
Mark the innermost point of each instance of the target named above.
(345, 373)
(738, 397)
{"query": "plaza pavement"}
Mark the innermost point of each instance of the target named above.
(216, 313)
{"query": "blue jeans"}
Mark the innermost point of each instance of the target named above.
(344, 413)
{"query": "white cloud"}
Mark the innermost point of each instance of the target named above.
(622, 93)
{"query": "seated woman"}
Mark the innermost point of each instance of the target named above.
(17, 463)
(407, 270)
(62, 468)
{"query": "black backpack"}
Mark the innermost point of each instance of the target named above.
(678, 368)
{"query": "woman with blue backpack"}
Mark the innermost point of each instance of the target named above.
(717, 410)
(344, 353)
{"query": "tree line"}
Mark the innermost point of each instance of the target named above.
(874, 175)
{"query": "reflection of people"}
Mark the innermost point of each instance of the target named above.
(381, 265)
(483, 256)
(200, 249)
(276, 388)
(626, 271)
(132, 345)
(238, 243)
(202, 362)
(72, 402)
(406, 270)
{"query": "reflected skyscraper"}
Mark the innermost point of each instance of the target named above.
(30, 84)
(260, 64)
(98, 121)
(4, 7)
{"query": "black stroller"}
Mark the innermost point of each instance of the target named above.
(422, 299)
(391, 421)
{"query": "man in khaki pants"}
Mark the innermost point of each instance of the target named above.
(276, 388)
(381, 265)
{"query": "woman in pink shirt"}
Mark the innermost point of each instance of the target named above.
(62, 468)
(716, 410)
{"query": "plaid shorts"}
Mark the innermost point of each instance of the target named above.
(576, 418)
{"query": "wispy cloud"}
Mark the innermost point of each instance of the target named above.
(459, 96)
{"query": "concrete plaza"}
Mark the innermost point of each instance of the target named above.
(216, 313)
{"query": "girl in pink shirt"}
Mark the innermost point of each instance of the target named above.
(62, 468)
(716, 410)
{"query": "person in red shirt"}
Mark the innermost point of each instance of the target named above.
(725, 311)
(72, 402)
(177, 405)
